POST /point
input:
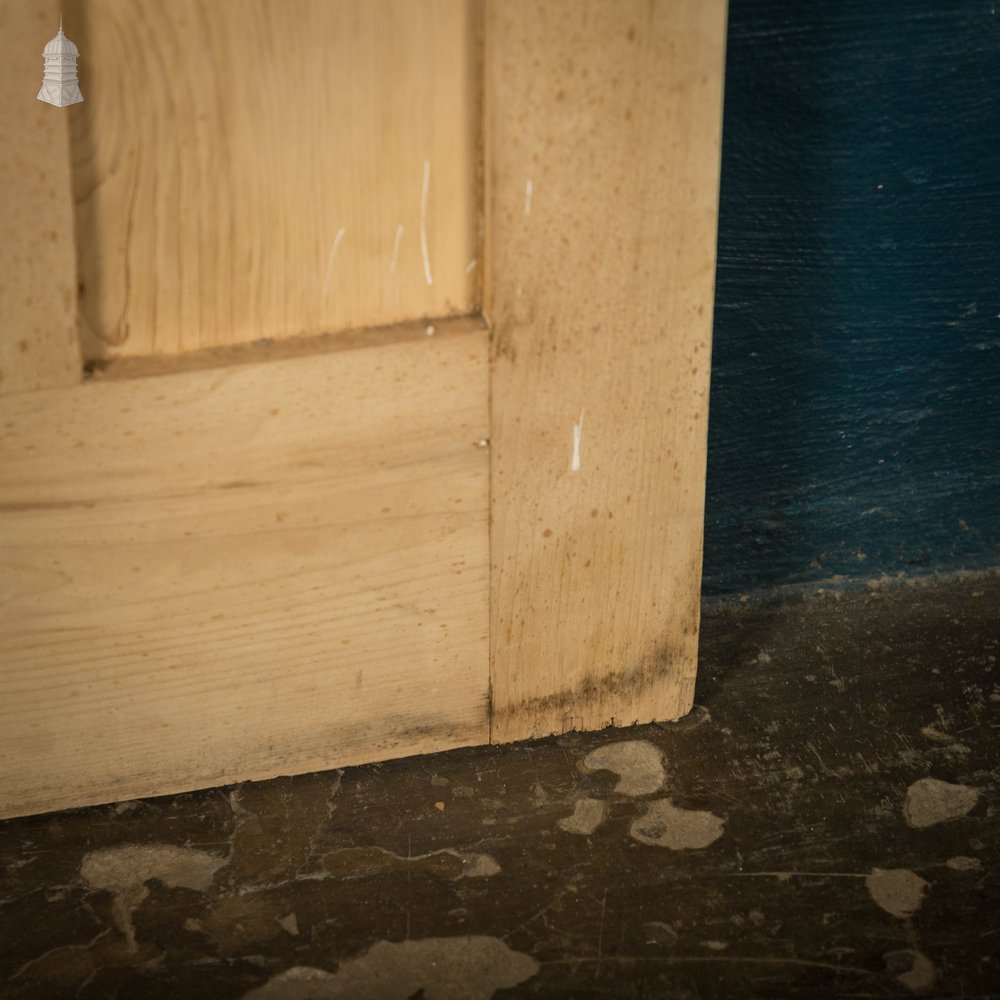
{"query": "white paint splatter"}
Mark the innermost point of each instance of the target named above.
(574, 464)
(665, 825)
(639, 765)
(394, 259)
(528, 190)
(423, 222)
(897, 890)
(930, 801)
(459, 968)
(338, 239)
(588, 815)
(470, 267)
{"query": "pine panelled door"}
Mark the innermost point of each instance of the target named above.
(354, 362)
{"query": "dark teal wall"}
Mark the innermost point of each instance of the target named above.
(855, 410)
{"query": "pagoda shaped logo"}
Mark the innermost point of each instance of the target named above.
(59, 85)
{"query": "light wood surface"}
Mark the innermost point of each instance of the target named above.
(603, 129)
(38, 341)
(242, 169)
(235, 573)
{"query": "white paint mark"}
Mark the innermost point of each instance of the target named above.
(528, 190)
(474, 967)
(330, 260)
(289, 924)
(423, 222)
(430, 330)
(664, 825)
(588, 815)
(574, 465)
(897, 890)
(930, 801)
(470, 267)
(639, 765)
(394, 259)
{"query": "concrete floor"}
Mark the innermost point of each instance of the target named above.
(824, 824)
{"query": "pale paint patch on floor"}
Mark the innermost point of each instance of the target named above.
(930, 801)
(460, 968)
(588, 815)
(124, 871)
(665, 825)
(640, 766)
(914, 969)
(897, 890)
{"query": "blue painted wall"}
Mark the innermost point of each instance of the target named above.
(855, 410)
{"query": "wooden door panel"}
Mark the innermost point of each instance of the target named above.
(245, 571)
(246, 170)
(262, 536)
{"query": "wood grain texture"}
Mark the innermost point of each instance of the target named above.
(232, 574)
(241, 169)
(603, 132)
(38, 339)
